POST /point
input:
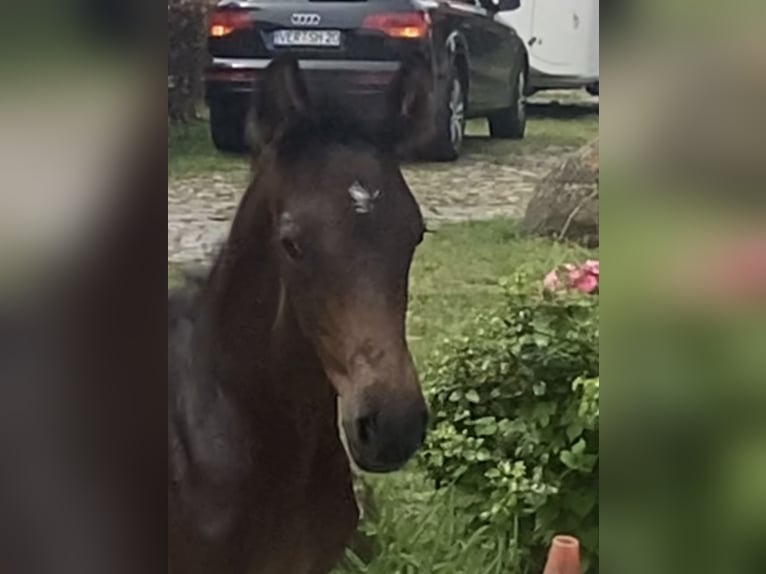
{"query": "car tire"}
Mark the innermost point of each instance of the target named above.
(450, 102)
(511, 122)
(592, 89)
(227, 127)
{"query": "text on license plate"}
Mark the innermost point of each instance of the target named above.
(330, 38)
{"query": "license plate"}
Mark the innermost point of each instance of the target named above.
(320, 38)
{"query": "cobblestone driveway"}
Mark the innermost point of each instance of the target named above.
(483, 184)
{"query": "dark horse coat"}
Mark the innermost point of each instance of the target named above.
(299, 327)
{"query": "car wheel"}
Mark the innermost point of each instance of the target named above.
(592, 89)
(450, 120)
(227, 127)
(511, 122)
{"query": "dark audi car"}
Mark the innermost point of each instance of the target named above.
(355, 46)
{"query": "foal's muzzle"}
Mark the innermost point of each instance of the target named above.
(382, 438)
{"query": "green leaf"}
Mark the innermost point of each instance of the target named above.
(579, 447)
(483, 455)
(539, 388)
(581, 503)
(486, 426)
(574, 430)
(568, 459)
(588, 461)
(472, 396)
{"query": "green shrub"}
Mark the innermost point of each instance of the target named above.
(515, 408)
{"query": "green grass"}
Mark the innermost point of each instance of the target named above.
(548, 126)
(191, 152)
(418, 530)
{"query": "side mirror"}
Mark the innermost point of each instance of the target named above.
(500, 5)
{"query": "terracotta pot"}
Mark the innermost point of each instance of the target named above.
(564, 556)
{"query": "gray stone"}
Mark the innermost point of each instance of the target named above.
(565, 202)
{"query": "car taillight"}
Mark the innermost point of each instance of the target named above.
(224, 22)
(400, 24)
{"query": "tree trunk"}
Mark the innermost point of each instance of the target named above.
(187, 57)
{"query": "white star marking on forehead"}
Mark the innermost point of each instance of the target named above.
(364, 200)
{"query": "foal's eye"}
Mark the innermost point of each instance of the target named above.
(292, 248)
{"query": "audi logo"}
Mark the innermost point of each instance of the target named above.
(300, 19)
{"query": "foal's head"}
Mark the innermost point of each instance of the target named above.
(345, 226)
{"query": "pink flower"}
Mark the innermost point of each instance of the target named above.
(584, 278)
(591, 266)
(552, 281)
(583, 281)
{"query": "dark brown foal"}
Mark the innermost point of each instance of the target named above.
(300, 324)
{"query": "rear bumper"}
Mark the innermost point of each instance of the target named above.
(361, 83)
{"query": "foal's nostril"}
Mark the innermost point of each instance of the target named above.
(366, 428)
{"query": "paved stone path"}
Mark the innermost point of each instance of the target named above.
(483, 184)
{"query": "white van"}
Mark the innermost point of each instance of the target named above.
(562, 42)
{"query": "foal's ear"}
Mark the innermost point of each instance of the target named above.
(281, 98)
(410, 121)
